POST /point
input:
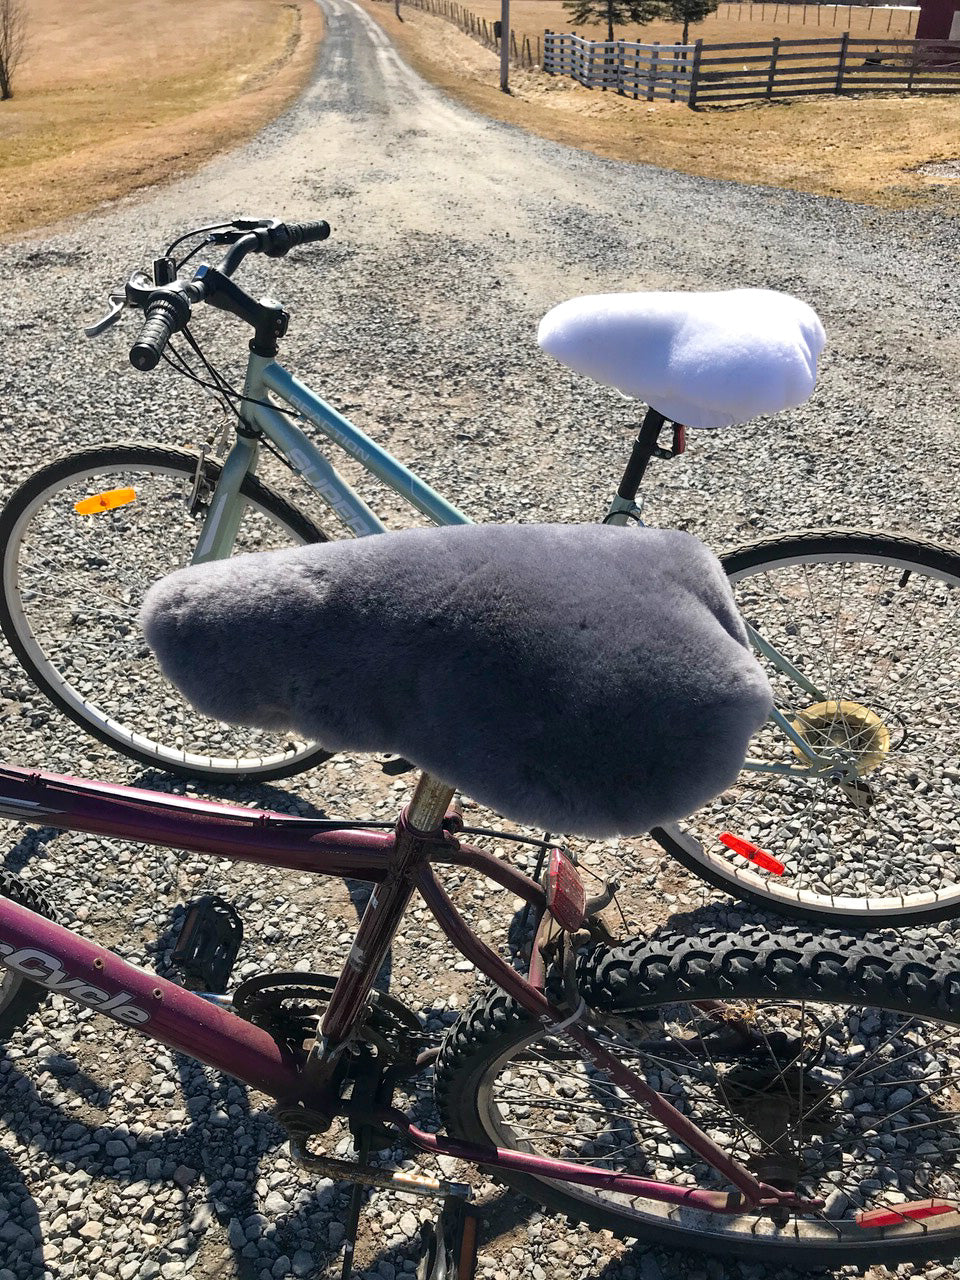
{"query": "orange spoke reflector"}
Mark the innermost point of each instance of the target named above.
(105, 501)
(765, 861)
(912, 1211)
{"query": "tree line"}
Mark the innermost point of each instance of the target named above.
(637, 13)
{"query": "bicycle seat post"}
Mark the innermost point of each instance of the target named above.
(644, 448)
(431, 799)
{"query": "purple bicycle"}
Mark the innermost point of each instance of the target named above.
(782, 1096)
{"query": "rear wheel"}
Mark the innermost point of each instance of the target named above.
(72, 588)
(871, 623)
(826, 1065)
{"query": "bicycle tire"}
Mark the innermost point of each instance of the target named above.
(484, 1093)
(881, 863)
(19, 997)
(71, 648)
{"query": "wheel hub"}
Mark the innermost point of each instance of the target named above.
(845, 729)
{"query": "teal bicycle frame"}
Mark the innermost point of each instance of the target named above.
(221, 525)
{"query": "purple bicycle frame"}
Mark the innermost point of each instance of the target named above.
(398, 863)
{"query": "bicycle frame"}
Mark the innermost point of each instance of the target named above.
(397, 863)
(264, 375)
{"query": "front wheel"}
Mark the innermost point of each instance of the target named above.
(824, 1064)
(81, 541)
(865, 629)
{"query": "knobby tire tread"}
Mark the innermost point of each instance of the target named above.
(756, 963)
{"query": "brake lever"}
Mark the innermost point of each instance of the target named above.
(119, 301)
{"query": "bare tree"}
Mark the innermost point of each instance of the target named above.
(13, 39)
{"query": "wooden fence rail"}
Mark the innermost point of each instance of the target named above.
(700, 74)
(636, 70)
(525, 51)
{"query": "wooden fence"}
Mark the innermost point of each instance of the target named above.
(636, 70)
(796, 68)
(525, 52)
(895, 20)
(701, 74)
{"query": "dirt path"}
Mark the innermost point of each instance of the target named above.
(889, 150)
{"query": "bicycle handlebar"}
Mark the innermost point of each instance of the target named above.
(167, 307)
(167, 311)
(275, 239)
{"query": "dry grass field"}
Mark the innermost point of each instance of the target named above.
(112, 96)
(873, 149)
(731, 23)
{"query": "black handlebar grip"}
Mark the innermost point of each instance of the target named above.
(164, 318)
(307, 232)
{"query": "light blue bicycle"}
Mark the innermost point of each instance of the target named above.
(850, 804)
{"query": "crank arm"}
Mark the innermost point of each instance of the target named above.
(371, 1176)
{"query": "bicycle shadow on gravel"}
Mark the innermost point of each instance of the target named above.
(212, 1165)
(30, 845)
(266, 796)
(653, 1263)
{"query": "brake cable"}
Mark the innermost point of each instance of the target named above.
(197, 231)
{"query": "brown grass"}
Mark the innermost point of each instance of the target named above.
(731, 23)
(865, 149)
(114, 96)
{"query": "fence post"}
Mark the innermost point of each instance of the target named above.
(620, 67)
(914, 60)
(694, 75)
(842, 61)
(673, 71)
(652, 78)
(774, 50)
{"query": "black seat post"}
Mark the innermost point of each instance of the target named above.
(644, 447)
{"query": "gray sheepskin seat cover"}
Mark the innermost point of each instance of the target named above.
(582, 679)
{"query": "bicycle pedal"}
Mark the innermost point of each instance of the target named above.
(209, 942)
(451, 1245)
(393, 766)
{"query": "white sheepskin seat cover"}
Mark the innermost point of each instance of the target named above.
(701, 359)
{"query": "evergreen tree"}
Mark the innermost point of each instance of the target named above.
(620, 13)
(687, 11)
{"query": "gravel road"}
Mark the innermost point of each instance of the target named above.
(451, 236)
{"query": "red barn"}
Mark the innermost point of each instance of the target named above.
(939, 20)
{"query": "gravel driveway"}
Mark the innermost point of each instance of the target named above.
(451, 236)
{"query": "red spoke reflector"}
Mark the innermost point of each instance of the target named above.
(765, 861)
(912, 1211)
(107, 501)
